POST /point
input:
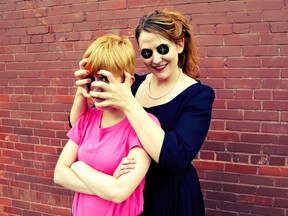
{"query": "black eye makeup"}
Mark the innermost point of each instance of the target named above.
(162, 49)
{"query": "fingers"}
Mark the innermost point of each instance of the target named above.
(82, 82)
(82, 63)
(127, 164)
(127, 77)
(81, 74)
(128, 160)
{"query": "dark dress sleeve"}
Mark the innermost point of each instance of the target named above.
(182, 143)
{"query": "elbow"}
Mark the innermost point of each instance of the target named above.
(118, 196)
(57, 177)
(119, 199)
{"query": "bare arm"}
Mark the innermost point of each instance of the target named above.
(80, 105)
(64, 175)
(110, 188)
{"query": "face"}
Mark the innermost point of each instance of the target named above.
(159, 55)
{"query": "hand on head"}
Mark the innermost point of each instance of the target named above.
(113, 94)
(83, 79)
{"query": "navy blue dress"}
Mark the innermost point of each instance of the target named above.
(172, 186)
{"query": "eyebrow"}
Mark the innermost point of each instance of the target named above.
(157, 46)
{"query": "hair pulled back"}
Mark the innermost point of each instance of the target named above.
(173, 26)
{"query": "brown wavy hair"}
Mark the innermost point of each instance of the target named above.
(173, 26)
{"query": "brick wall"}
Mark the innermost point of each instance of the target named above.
(244, 57)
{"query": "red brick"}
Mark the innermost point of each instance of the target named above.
(208, 165)
(38, 30)
(49, 3)
(243, 126)
(244, 104)
(227, 136)
(228, 114)
(279, 27)
(204, 41)
(257, 138)
(244, 17)
(241, 28)
(275, 15)
(224, 157)
(273, 171)
(240, 168)
(244, 148)
(277, 161)
(279, 105)
(224, 51)
(260, 51)
(276, 150)
(199, 8)
(5, 201)
(261, 115)
(284, 117)
(279, 38)
(224, 29)
(255, 200)
(243, 62)
(259, 180)
(257, 28)
(244, 84)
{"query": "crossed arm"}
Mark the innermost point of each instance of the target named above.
(80, 177)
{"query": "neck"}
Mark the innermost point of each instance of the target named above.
(172, 86)
(111, 117)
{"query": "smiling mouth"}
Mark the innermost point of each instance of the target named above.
(160, 68)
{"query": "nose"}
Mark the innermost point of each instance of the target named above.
(156, 58)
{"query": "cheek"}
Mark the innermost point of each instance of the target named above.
(147, 61)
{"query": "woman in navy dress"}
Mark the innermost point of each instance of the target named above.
(170, 90)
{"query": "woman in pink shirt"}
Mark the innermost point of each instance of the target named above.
(100, 139)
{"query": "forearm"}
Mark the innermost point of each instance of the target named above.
(66, 177)
(103, 185)
(79, 107)
(150, 134)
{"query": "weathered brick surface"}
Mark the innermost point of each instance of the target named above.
(243, 47)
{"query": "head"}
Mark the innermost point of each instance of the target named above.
(175, 28)
(112, 53)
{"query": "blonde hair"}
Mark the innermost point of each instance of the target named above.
(112, 53)
(174, 27)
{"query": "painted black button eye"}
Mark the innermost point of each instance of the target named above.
(163, 49)
(146, 53)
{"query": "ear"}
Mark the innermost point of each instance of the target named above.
(180, 45)
(128, 78)
(132, 79)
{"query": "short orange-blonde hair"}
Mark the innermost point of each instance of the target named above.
(112, 53)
